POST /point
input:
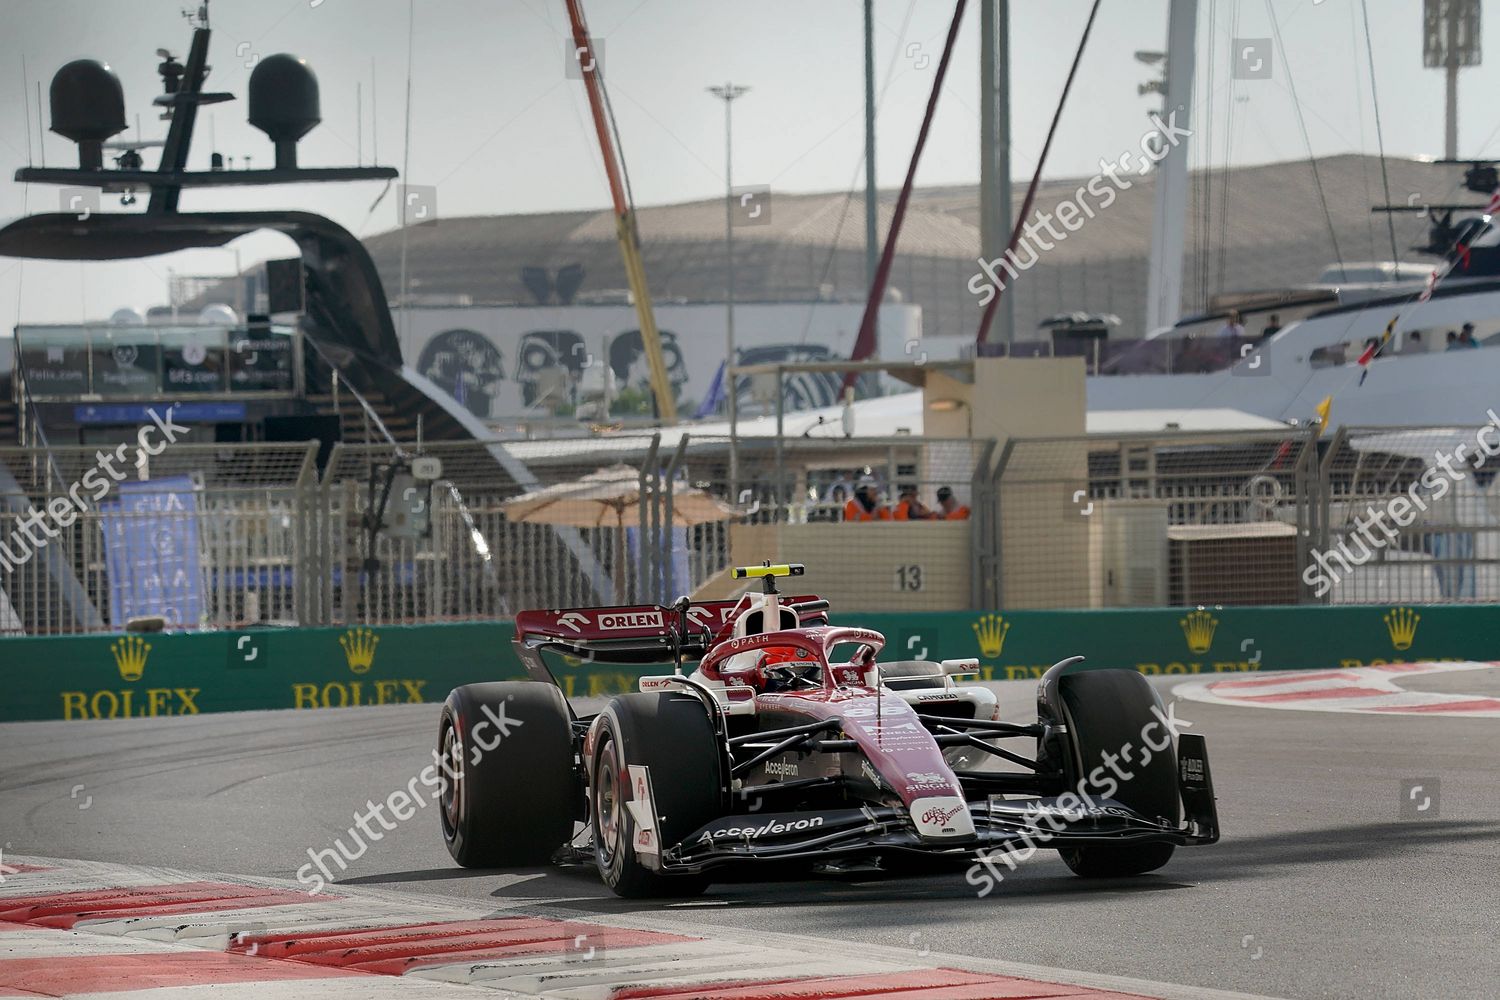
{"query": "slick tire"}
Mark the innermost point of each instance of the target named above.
(671, 736)
(509, 794)
(1106, 711)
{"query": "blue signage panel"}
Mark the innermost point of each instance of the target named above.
(140, 413)
(151, 552)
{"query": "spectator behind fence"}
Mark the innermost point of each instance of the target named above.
(840, 490)
(866, 506)
(1466, 338)
(1453, 344)
(1412, 344)
(1232, 326)
(951, 509)
(909, 508)
(1273, 324)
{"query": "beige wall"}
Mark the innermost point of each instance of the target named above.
(1009, 397)
(1028, 397)
(1044, 540)
(858, 566)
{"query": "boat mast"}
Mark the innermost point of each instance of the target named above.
(994, 146)
(1168, 225)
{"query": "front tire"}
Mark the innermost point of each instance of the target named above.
(509, 793)
(1107, 710)
(672, 737)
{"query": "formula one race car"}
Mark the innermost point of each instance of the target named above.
(791, 741)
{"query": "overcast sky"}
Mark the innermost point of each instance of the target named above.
(498, 127)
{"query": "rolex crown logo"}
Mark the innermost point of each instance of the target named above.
(991, 630)
(1198, 628)
(130, 656)
(1401, 623)
(359, 648)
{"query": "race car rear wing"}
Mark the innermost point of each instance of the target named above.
(638, 633)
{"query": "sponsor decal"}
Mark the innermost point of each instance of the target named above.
(991, 631)
(782, 768)
(1077, 813)
(871, 775)
(1192, 769)
(1198, 629)
(574, 620)
(894, 734)
(939, 816)
(921, 779)
(631, 619)
(130, 655)
(123, 704)
(704, 617)
(642, 807)
(771, 829)
(359, 649)
(942, 816)
(1401, 626)
(334, 694)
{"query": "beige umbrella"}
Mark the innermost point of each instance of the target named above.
(600, 497)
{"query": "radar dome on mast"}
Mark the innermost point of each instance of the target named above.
(88, 106)
(284, 103)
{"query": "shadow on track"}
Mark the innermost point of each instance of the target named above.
(576, 886)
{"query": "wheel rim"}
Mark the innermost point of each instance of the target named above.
(607, 807)
(452, 787)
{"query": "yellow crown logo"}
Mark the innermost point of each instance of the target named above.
(359, 648)
(130, 656)
(1198, 628)
(1401, 623)
(991, 630)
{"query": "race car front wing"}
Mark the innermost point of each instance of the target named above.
(1071, 819)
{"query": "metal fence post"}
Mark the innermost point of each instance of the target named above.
(1325, 494)
(304, 537)
(669, 537)
(982, 502)
(995, 552)
(1309, 500)
(646, 494)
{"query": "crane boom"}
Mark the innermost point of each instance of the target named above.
(625, 227)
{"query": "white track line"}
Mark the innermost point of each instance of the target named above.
(1361, 690)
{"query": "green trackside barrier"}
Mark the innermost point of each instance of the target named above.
(128, 676)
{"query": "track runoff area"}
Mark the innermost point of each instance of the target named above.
(1360, 817)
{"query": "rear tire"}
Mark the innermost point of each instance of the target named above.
(1106, 711)
(671, 735)
(510, 793)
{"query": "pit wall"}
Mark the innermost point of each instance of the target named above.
(115, 676)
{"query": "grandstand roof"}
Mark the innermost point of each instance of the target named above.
(1249, 228)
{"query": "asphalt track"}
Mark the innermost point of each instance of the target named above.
(1320, 887)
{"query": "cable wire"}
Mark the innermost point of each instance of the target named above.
(1312, 160)
(1385, 180)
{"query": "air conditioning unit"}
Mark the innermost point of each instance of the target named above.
(1128, 554)
(1234, 563)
